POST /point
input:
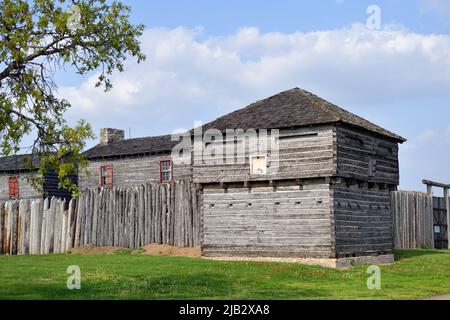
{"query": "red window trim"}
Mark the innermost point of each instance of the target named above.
(13, 187)
(171, 170)
(108, 167)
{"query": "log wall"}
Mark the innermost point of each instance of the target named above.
(25, 189)
(129, 218)
(303, 153)
(129, 172)
(265, 221)
(413, 219)
(363, 220)
(366, 157)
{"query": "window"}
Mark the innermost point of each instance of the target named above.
(258, 165)
(106, 176)
(165, 171)
(13, 187)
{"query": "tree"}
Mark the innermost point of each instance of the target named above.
(38, 38)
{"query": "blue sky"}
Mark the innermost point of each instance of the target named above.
(207, 58)
(224, 17)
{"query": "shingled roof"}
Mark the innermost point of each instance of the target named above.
(129, 147)
(18, 163)
(293, 108)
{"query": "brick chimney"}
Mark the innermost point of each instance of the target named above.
(108, 135)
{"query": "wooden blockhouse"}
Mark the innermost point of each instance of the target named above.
(327, 198)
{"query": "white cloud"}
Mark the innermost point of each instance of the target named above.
(186, 72)
(189, 76)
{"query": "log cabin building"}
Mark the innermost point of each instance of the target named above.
(14, 171)
(327, 197)
(126, 163)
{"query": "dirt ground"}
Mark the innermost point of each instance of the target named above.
(165, 250)
(149, 250)
(95, 250)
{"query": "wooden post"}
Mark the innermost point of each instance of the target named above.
(14, 228)
(447, 207)
(21, 228)
(133, 217)
(430, 193)
(43, 228)
(430, 190)
(35, 227)
(2, 226)
(57, 227)
(446, 187)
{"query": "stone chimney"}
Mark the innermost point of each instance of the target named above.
(108, 135)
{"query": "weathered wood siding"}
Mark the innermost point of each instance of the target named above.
(303, 153)
(365, 157)
(412, 219)
(440, 222)
(51, 186)
(131, 218)
(290, 221)
(363, 220)
(26, 191)
(130, 172)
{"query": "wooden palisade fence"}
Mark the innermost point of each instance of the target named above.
(129, 218)
(413, 219)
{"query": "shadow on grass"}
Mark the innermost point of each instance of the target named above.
(212, 286)
(198, 286)
(179, 287)
(407, 254)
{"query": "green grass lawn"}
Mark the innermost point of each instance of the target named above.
(416, 274)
